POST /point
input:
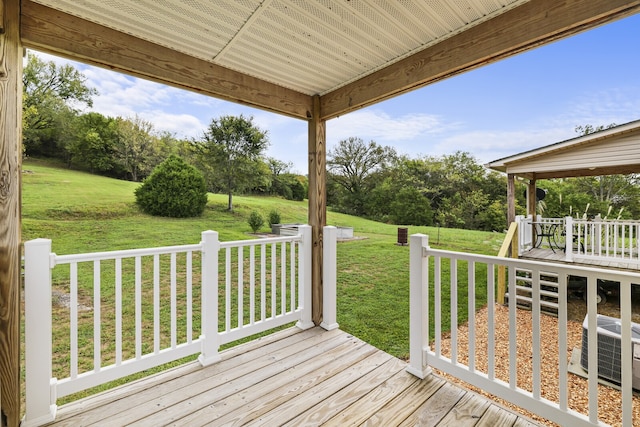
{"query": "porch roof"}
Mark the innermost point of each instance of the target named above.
(279, 54)
(611, 151)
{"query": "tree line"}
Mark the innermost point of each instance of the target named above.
(456, 191)
(230, 152)
(373, 181)
(363, 179)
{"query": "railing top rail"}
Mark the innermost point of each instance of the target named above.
(126, 253)
(130, 253)
(266, 240)
(550, 220)
(512, 262)
(608, 221)
(529, 220)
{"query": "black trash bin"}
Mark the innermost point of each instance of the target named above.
(403, 236)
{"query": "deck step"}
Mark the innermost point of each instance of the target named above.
(543, 293)
(525, 301)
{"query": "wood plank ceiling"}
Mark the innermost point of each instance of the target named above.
(278, 54)
(312, 47)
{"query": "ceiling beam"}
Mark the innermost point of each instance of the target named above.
(599, 171)
(52, 31)
(534, 23)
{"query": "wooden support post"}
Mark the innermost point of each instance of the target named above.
(532, 198)
(317, 201)
(511, 199)
(10, 164)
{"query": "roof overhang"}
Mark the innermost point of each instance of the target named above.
(278, 55)
(608, 152)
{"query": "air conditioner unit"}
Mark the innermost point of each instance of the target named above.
(609, 345)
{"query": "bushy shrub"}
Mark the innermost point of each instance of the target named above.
(274, 217)
(255, 221)
(297, 191)
(174, 189)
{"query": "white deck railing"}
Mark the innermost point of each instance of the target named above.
(589, 239)
(153, 306)
(604, 240)
(432, 271)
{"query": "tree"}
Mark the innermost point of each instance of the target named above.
(92, 144)
(230, 150)
(278, 167)
(352, 165)
(49, 90)
(136, 146)
(452, 189)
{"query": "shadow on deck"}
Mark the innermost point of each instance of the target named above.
(292, 377)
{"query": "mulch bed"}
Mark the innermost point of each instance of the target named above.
(609, 399)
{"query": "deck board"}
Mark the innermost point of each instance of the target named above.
(495, 416)
(542, 254)
(403, 405)
(377, 399)
(432, 411)
(329, 405)
(469, 409)
(295, 378)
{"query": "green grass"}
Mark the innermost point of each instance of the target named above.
(86, 213)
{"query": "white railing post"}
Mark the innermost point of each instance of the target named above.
(304, 277)
(210, 337)
(40, 387)
(520, 236)
(329, 278)
(597, 235)
(418, 306)
(568, 239)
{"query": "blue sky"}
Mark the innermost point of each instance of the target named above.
(520, 103)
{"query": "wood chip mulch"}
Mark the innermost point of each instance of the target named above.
(609, 399)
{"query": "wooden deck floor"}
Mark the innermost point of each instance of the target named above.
(292, 378)
(542, 254)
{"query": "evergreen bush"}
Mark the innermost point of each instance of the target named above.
(274, 217)
(256, 221)
(174, 189)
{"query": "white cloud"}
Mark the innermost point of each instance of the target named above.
(378, 125)
(489, 145)
(615, 105)
(181, 125)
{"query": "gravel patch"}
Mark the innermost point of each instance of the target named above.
(609, 399)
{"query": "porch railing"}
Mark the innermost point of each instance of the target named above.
(598, 239)
(132, 310)
(438, 278)
(590, 239)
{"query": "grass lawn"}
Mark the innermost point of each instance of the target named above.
(81, 212)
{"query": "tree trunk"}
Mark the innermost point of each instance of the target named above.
(230, 204)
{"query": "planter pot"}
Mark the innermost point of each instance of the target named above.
(344, 232)
(289, 229)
